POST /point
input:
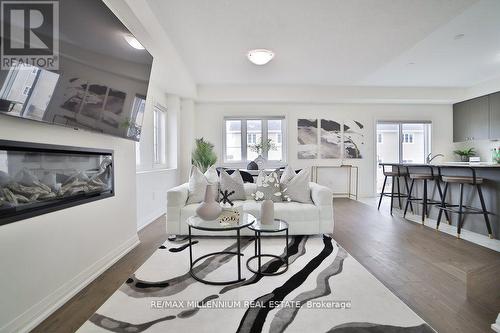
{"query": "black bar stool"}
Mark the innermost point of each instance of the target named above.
(463, 209)
(395, 174)
(425, 201)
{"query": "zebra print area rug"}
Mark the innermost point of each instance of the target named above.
(324, 290)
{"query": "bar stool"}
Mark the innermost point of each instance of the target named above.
(424, 200)
(463, 209)
(395, 174)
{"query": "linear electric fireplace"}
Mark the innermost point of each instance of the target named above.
(37, 178)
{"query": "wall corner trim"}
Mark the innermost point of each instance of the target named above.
(43, 309)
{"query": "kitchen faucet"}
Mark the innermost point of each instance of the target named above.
(429, 158)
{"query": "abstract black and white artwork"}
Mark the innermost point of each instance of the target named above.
(115, 101)
(94, 101)
(74, 94)
(331, 139)
(307, 138)
(354, 139)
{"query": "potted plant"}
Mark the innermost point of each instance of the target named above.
(465, 153)
(260, 148)
(203, 155)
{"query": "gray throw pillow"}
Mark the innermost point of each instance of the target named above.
(268, 187)
(298, 189)
(232, 182)
(287, 175)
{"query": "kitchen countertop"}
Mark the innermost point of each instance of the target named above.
(447, 164)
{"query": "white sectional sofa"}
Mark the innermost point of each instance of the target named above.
(303, 219)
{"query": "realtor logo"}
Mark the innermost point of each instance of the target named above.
(30, 34)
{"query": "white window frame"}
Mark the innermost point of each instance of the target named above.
(244, 148)
(159, 136)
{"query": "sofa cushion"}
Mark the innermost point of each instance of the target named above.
(287, 175)
(232, 182)
(268, 187)
(198, 183)
(297, 189)
(289, 211)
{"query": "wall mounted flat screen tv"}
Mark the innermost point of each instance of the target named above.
(101, 80)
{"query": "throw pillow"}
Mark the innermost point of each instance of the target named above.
(298, 189)
(287, 175)
(268, 187)
(232, 182)
(198, 184)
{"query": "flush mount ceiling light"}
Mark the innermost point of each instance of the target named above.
(260, 56)
(133, 42)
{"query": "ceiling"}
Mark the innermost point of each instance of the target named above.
(336, 42)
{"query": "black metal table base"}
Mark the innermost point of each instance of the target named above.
(215, 283)
(259, 255)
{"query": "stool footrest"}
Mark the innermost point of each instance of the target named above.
(465, 210)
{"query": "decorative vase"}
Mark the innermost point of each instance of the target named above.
(464, 158)
(267, 212)
(209, 209)
(252, 166)
(260, 160)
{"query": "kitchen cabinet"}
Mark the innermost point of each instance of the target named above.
(495, 116)
(471, 120)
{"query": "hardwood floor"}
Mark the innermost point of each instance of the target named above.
(76, 311)
(430, 271)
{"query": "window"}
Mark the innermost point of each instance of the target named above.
(402, 142)
(243, 133)
(135, 124)
(407, 137)
(137, 153)
(159, 144)
(252, 138)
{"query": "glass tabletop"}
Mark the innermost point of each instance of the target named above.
(200, 224)
(276, 226)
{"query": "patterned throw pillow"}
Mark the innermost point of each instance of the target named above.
(268, 187)
(232, 182)
(297, 189)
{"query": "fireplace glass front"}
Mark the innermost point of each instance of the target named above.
(36, 179)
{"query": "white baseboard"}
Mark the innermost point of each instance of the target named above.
(150, 218)
(43, 309)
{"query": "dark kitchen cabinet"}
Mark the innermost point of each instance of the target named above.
(471, 120)
(495, 116)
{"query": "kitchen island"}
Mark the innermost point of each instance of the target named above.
(490, 172)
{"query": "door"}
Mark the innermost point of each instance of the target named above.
(401, 142)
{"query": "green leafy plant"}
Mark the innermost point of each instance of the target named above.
(263, 146)
(203, 155)
(465, 153)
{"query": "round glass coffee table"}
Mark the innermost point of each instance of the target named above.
(195, 222)
(259, 228)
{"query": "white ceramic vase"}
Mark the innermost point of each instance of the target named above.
(260, 161)
(267, 212)
(209, 209)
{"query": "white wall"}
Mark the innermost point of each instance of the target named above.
(45, 260)
(209, 122)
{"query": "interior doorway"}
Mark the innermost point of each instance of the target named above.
(401, 142)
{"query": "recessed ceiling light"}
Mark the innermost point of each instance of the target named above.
(133, 42)
(260, 56)
(459, 36)
(410, 63)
